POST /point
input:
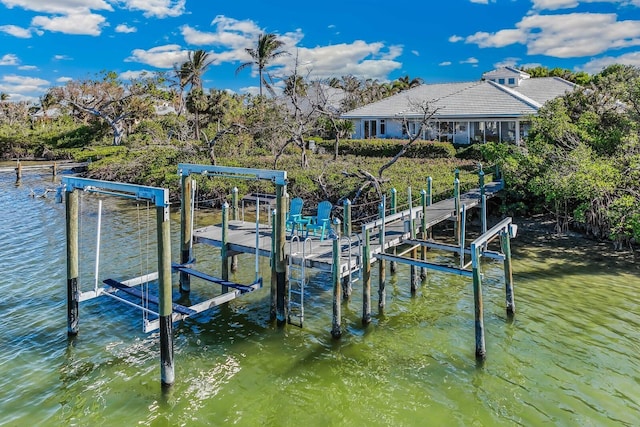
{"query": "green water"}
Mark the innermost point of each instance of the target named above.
(570, 357)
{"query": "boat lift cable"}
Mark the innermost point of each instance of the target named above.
(98, 233)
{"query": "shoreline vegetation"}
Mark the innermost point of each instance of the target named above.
(579, 163)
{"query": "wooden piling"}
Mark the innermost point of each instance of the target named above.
(336, 327)
(234, 216)
(456, 204)
(54, 168)
(463, 232)
(366, 279)
(423, 232)
(414, 252)
(71, 210)
(167, 374)
(505, 243)
(346, 226)
(429, 202)
(392, 210)
(477, 302)
(18, 172)
(280, 262)
(272, 264)
(483, 200)
(186, 225)
(382, 272)
(224, 248)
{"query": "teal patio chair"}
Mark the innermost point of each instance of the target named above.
(321, 223)
(294, 216)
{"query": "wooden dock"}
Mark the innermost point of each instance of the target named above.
(242, 235)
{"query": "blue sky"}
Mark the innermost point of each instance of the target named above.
(45, 43)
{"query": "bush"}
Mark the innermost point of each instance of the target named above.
(390, 147)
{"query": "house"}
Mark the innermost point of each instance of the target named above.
(496, 108)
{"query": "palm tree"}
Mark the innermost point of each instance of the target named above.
(190, 73)
(4, 96)
(266, 51)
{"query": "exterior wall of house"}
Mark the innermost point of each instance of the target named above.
(454, 131)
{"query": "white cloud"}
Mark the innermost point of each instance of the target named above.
(596, 65)
(480, 1)
(415, 52)
(61, 58)
(63, 79)
(86, 24)
(455, 39)
(565, 36)
(9, 59)
(15, 31)
(131, 75)
(507, 62)
(124, 28)
(470, 60)
(445, 63)
(63, 7)
(570, 4)
(22, 87)
(161, 56)
(27, 67)
(157, 8)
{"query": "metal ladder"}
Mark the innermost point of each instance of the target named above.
(354, 261)
(297, 276)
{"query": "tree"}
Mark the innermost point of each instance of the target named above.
(265, 52)
(190, 73)
(4, 96)
(110, 100)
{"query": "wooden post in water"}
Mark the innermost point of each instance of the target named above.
(505, 242)
(456, 204)
(429, 201)
(224, 249)
(392, 210)
(167, 375)
(71, 208)
(346, 226)
(234, 216)
(477, 302)
(54, 168)
(366, 279)
(483, 200)
(186, 225)
(414, 252)
(280, 262)
(336, 328)
(423, 232)
(382, 273)
(18, 172)
(272, 264)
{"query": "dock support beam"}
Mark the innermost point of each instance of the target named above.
(393, 210)
(481, 351)
(279, 262)
(414, 252)
(336, 328)
(18, 172)
(346, 225)
(185, 231)
(382, 273)
(224, 249)
(366, 279)
(505, 242)
(71, 205)
(167, 374)
(456, 204)
(234, 216)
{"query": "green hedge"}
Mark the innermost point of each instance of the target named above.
(390, 147)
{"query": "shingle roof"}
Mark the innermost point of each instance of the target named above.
(468, 99)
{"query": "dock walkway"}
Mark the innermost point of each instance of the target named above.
(242, 235)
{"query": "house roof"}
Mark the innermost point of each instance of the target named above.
(467, 100)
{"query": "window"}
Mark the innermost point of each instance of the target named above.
(512, 81)
(370, 129)
(501, 81)
(383, 127)
(508, 131)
